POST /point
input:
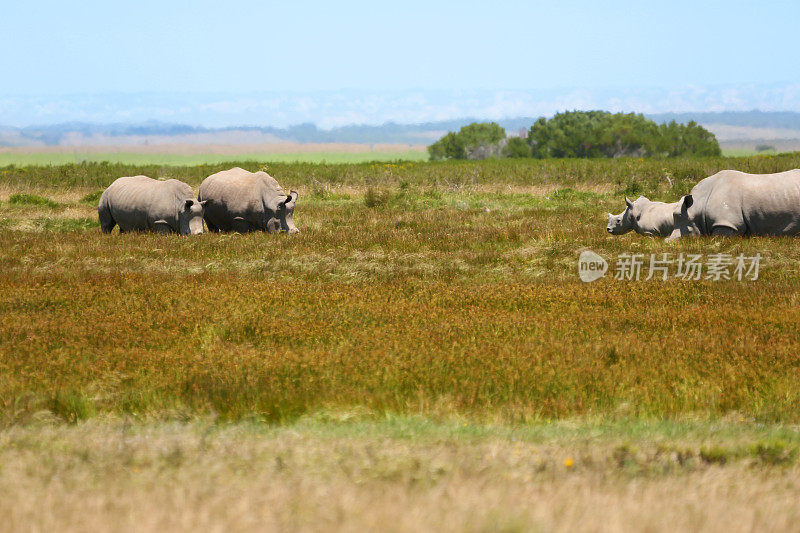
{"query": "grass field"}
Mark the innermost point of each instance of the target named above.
(20, 157)
(399, 473)
(421, 355)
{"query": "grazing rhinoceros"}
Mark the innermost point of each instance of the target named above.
(244, 201)
(139, 203)
(643, 216)
(728, 203)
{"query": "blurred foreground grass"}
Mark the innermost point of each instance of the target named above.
(356, 470)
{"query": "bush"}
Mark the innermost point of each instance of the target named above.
(376, 198)
(31, 199)
(593, 134)
(516, 147)
(92, 197)
(475, 141)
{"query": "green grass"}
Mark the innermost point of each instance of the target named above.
(30, 199)
(636, 176)
(92, 198)
(65, 158)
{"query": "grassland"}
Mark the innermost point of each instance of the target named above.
(398, 473)
(442, 298)
(27, 157)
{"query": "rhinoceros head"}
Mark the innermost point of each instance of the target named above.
(626, 221)
(284, 213)
(190, 217)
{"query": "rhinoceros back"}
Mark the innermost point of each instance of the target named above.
(749, 204)
(138, 203)
(238, 196)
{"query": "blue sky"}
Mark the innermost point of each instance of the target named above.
(242, 46)
(239, 46)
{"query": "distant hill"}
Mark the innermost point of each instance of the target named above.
(787, 120)
(744, 125)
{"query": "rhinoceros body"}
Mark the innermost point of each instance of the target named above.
(728, 203)
(139, 203)
(735, 203)
(242, 201)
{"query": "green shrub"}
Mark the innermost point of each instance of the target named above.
(714, 455)
(31, 199)
(376, 198)
(479, 140)
(71, 406)
(92, 198)
(776, 452)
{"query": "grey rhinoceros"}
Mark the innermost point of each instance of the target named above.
(728, 203)
(139, 203)
(244, 201)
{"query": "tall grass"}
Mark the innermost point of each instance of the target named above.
(415, 298)
(633, 175)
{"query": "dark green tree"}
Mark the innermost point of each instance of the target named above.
(516, 147)
(448, 147)
(603, 134)
(475, 141)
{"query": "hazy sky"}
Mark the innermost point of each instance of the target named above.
(239, 46)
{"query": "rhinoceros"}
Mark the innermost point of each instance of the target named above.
(139, 203)
(244, 201)
(645, 217)
(728, 203)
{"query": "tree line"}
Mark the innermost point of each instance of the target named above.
(584, 134)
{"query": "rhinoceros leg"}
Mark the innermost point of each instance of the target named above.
(107, 221)
(724, 231)
(240, 225)
(162, 227)
(211, 227)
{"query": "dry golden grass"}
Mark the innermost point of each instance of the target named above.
(339, 379)
(433, 298)
(396, 474)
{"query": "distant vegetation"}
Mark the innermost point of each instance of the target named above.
(582, 134)
(476, 141)
(788, 120)
(388, 132)
(22, 158)
(602, 134)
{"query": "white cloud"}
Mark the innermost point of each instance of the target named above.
(338, 108)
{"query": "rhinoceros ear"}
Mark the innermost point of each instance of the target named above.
(688, 201)
(628, 202)
(188, 204)
(204, 202)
